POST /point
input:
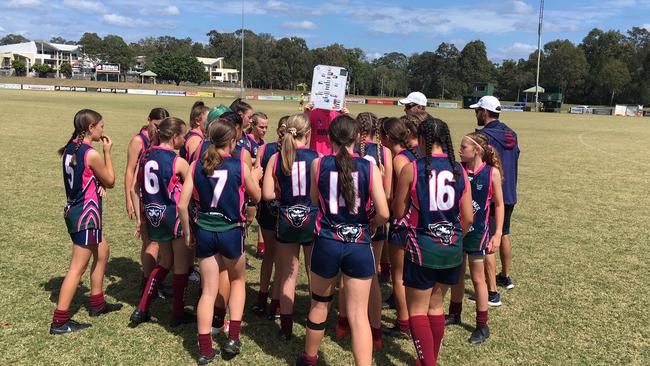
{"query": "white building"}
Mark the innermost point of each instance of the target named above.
(40, 52)
(214, 68)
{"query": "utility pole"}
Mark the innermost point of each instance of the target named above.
(241, 79)
(539, 51)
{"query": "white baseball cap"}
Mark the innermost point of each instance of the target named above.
(415, 98)
(489, 103)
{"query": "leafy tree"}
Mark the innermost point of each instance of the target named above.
(613, 75)
(513, 77)
(564, 65)
(20, 67)
(91, 44)
(42, 70)
(450, 84)
(12, 38)
(115, 50)
(178, 67)
(66, 69)
(474, 64)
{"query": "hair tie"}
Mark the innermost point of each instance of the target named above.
(293, 131)
(284, 125)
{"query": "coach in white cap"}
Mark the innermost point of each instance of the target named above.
(415, 101)
(489, 103)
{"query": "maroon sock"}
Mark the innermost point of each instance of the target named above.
(179, 284)
(481, 318)
(423, 339)
(156, 277)
(403, 325)
(376, 333)
(235, 327)
(385, 269)
(60, 317)
(437, 324)
(143, 281)
(219, 317)
(274, 308)
(286, 323)
(342, 322)
(205, 345)
(262, 297)
(96, 301)
(309, 360)
(455, 308)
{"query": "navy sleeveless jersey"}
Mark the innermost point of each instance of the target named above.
(243, 143)
(183, 150)
(294, 189)
(160, 187)
(436, 240)
(220, 196)
(335, 220)
(146, 142)
(269, 150)
(481, 183)
(404, 221)
(372, 153)
(254, 145)
(268, 211)
(83, 209)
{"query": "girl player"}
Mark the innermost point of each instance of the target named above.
(437, 187)
(398, 136)
(218, 182)
(371, 148)
(343, 187)
(161, 173)
(484, 172)
(84, 173)
(267, 217)
(194, 137)
(286, 180)
(139, 144)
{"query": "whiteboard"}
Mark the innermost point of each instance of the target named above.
(328, 87)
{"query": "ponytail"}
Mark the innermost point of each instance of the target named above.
(490, 154)
(211, 160)
(345, 182)
(288, 148)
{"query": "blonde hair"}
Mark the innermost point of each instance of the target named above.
(297, 126)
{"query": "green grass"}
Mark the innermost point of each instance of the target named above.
(580, 237)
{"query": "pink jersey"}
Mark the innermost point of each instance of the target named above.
(320, 124)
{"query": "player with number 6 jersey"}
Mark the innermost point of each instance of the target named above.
(343, 187)
(438, 188)
(85, 176)
(287, 179)
(160, 175)
(218, 182)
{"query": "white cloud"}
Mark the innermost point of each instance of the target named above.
(646, 26)
(304, 25)
(86, 6)
(171, 10)
(23, 4)
(275, 5)
(520, 7)
(122, 21)
(515, 51)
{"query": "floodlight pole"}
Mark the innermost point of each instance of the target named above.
(241, 78)
(539, 51)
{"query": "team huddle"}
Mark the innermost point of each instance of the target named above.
(344, 191)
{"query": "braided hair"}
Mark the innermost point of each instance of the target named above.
(343, 132)
(281, 130)
(83, 121)
(489, 154)
(434, 131)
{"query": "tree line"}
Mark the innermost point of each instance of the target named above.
(606, 67)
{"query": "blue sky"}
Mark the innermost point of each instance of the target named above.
(508, 27)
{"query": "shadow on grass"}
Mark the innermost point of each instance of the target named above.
(78, 300)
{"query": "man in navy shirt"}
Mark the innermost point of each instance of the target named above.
(504, 140)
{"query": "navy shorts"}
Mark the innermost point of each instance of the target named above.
(423, 278)
(397, 235)
(267, 215)
(353, 259)
(87, 237)
(229, 244)
(507, 214)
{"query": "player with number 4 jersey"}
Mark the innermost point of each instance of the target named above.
(438, 188)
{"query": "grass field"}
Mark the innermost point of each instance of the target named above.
(580, 235)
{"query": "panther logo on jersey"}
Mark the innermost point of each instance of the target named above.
(442, 230)
(475, 207)
(297, 215)
(155, 213)
(348, 233)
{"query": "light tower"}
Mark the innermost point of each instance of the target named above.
(539, 51)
